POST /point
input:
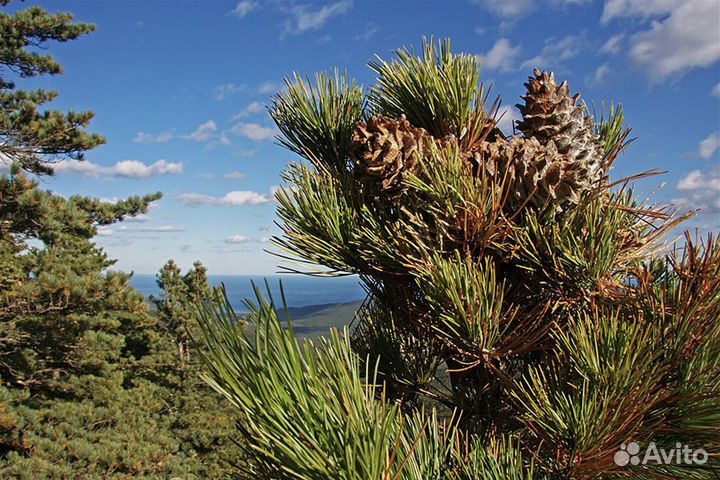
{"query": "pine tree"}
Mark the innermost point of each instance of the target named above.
(200, 420)
(29, 137)
(524, 318)
(176, 307)
(90, 384)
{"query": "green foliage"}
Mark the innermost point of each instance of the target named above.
(92, 386)
(437, 91)
(313, 411)
(328, 111)
(611, 129)
(499, 339)
(176, 306)
(30, 137)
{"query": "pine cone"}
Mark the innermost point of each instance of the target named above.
(535, 170)
(551, 114)
(383, 150)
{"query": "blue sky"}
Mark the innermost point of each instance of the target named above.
(178, 89)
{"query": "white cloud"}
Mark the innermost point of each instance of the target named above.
(324, 39)
(507, 8)
(139, 218)
(709, 145)
(239, 239)
(613, 44)
(368, 34)
(124, 168)
(243, 8)
(254, 131)
(556, 51)
(231, 199)
(227, 90)
(222, 140)
(203, 132)
(698, 180)
(507, 115)
(246, 239)
(636, 8)
(104, 231)
(601, 73)
(569, 3)
(251, 109)
(162, 137)
(267, 88)
(161, 229)
(234, 176)
(304, 17)
(684, 35)
(716, 90)
(501, 56)
(245, 153)
(86, 168)
(702, 190)
(135, 169)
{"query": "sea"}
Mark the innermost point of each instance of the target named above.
(300, 290)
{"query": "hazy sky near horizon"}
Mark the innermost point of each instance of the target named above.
(179, 90)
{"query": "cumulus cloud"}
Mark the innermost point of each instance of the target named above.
(246, 239)
(556, 51)
(231, 199)
(139, 218)
(501, 56)
(636, 8)
(238, 239)
(684, 34)
(124, 168)
(508, 115)
(107, 231)
(203, 132)
(569, 3)
(269, 87)
(135, 169)
(709, 145)
(613, 44)
(161, 229)
(299, 17)
(601, 73)
(702, 191)
(223, 92)
(251, 109)
(162, 137)
(698, 180)
(254, 131)
(716, 90)
(243, 8)
(368, 34)
(507, 8)
(305, 17)
(234, 176)
(104, 231)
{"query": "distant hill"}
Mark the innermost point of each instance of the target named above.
(316, 320)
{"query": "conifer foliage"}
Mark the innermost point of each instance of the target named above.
(91, 386)
(30, 137)
(524, 318)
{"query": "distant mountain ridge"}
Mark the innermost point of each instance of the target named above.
(315, 320)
